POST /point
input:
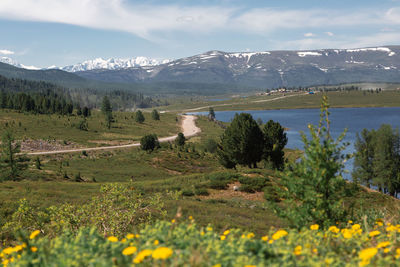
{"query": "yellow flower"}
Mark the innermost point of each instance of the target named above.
(34, 234)
(383, 244)
(391, 228)
(202, 233)
(156, 242)
(314, 227)
(209, 229)
(162, 253)
(18, 248)
(137, 235)
(130, 236)
(217, 265)
(173, 220)
(264, 238)
(347, 233)
(356, 227)
(334, 229)
(374, 233)
(250, 266)
(250, 235)
(112, 239)
(8, 250)
(271, 241)
(315, 251)
(227, 232)
(367, 254)
(129, 251)
(190, 217)
(297, 250)
(328, 261)
(142, 254)
(350, 222)
(386, 250)
(33, 249)
(123, 240)
(222, 237)
(279, 234)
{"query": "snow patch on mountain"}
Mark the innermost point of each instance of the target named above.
(114, 64)
(376, 49)
(14, 63)
(308, 53)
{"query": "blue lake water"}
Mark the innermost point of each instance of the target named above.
(296, 120)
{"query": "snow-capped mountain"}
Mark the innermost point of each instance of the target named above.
(114, 64)
(12, 62)
(269, 68)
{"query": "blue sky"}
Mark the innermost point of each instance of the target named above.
(64, 32)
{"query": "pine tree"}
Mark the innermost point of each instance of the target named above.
(10, 164)
(275, 141)
(139, 117)
(155, 115)
(180, 140)
(241, 143)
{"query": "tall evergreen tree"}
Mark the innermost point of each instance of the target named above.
(11, 164)
(275, 141)
(155, 115)
(241, 143)
(139, 117)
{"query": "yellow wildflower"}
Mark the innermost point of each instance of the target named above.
(202, 233)
(142, 254)
(156, 242)
(250, 265)
(264, 238)
(112, 239)
(367, 254)
(137, 235)
(315, 251)
(227, 232)
(129, 251)
(356, 227)
(217, 265)
(8, 250)
(328, 261)
(347, 233)
(222, 237)
(190, 217)
(386, 250)
(314, 227)
(383, 244)
(279, 234)
(130, 236)
(123, 240)
(250, 235)
(334, 229)
(173, 220)
(33, 249)
(391, 228)
(17, 248)
(297, 250)
(209, 229)
(271, 241)
(34, 234)
(350, 222)
(162, 253)
(374, 233)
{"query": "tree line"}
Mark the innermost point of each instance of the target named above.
(377, 159)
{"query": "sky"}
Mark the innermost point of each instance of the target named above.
(43, 33)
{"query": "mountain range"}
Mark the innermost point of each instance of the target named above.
(268, 69)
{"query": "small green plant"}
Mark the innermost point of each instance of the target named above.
(38, 164)
(149, 142)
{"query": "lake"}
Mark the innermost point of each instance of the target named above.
(296, 120)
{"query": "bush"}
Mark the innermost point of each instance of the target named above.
(155, 115)
(139, 117)
(187, 193)
(116, 210)
(201, 191)
(83, 125)
(252, 185)
(180, 140)
(210, 145)
(149, 142)
(216, 184)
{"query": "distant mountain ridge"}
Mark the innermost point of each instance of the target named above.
(268, 69)
(114, 64)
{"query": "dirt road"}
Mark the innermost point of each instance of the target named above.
(189, 129)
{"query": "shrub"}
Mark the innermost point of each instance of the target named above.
(210, 145)
(201, 191)
(252, 185)
(139, 117)
(187, 193)
(155, 115)
(149, 142)
(116, 210)
(180, 140)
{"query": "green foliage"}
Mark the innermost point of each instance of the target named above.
(149, 142)
(83, 125)
(220, 180)
(115, 211)
(106, 109)
(210, 145)
(211, 114)
(377, 159)
(155, 115)
(139, 118)
(180, 140)
(38, 164)
(313, 189)
(252, 184)
(241, 142)
(275, 141)
(11, 164)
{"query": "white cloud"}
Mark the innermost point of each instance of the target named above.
(329, 33)
(6, 52)
(309, 34)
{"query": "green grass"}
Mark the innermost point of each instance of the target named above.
(63, 128)
(389, 98)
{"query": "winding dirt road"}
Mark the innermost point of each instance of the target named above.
(189, 129)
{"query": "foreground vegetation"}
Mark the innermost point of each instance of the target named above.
(177, 243)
